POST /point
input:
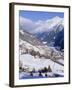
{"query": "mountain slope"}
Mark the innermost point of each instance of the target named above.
(59, 40)
(35, 57)
(29, 44)
(50, 35)
(46, 31)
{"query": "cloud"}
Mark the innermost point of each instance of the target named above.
(26, 24)
(38, 26)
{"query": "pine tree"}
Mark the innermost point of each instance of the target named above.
(31, 74)
(49, 69)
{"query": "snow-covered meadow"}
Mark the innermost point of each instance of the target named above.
(29, 62)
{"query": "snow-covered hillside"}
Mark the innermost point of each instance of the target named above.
(38, 63)
(29, 63)
(36, 56)
(38, 49)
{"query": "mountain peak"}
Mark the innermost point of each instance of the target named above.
(56, 17)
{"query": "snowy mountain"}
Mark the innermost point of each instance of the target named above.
(56, 21)
(45, 31)
(49, 36)
(40, 25)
